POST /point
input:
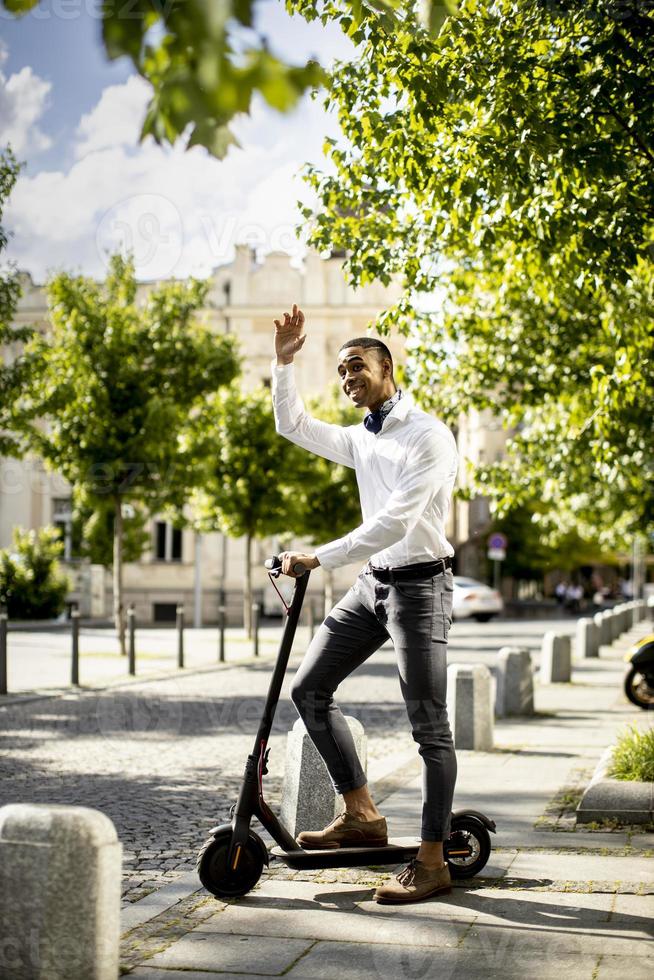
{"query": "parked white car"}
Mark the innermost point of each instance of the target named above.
(475, 600)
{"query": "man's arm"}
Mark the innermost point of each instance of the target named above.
(291, 418)
(431, 462)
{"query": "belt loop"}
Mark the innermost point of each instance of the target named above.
(391, 577)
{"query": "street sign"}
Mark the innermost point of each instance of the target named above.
(496, 554)
(498, 540)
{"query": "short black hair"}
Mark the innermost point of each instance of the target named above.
(370, 342)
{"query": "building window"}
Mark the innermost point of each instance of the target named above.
(167, 542)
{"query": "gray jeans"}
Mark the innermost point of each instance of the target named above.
(416, 614)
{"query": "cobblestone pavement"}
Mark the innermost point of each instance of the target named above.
(163, 759)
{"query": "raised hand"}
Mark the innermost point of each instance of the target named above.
(289, 335)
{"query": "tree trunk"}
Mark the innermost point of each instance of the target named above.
(328, 591)
(119, 613)
(247, 598)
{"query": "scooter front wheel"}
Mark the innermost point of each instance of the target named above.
(638, 690)
(217, 877)
(468, 847)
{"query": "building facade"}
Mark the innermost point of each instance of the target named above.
(180, 566)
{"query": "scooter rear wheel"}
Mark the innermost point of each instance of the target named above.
(214, 873)
(468, 847)
(638, 689)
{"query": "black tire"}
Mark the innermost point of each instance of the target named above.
(483, 617)
(636, 687)
(211, 866)
(469, 835)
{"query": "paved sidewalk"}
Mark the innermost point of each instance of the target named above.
(39, 662)
(552, 899)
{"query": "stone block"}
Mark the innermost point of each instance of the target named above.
(587, 638)
(514, 691)
(60, 877)
(469, 706)
(555, 663)
(606, 798)
(309, 800)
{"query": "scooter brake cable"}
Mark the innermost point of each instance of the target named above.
(287, 608)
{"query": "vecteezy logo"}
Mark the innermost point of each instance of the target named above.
(147, 225)
(139, 714)
(419, 952)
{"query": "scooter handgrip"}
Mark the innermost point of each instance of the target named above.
(299, 568)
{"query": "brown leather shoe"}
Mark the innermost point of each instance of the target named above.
(414, 883)
(346, 830)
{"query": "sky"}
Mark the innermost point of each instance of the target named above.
(88, 187)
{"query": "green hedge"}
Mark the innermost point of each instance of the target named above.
(32, 585)
(633, 756)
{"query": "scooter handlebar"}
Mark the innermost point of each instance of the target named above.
(274, 564)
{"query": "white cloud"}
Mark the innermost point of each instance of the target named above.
(116, 119)
(23, 100)
(180, 211)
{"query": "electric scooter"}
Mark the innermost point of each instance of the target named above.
(232, 859)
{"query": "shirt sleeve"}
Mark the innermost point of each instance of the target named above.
(294, 422)
(430, 464)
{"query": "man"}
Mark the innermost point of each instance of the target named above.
(405, 463)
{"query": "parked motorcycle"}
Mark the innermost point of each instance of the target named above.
(639, 680)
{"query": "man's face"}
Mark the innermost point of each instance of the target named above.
(365, 377)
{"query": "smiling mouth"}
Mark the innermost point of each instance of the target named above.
(354, 388)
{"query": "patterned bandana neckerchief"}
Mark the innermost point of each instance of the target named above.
(374, 420)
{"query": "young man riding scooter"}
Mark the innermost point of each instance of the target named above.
(405, 463)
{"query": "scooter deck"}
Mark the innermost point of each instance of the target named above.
(397, 851)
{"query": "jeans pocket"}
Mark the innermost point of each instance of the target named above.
(414, 588)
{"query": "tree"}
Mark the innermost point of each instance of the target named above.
(330, 495)
(32, 585)
(250, 482)
(505, 169)
(93, 530)
(205, 60)
(15, 373)
(529, 555)
(117, 383)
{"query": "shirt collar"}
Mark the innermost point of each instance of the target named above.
(397, 407)
(399, 410)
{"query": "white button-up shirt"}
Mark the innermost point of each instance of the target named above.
(405, 474)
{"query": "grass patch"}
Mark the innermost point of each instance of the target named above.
(633, 756)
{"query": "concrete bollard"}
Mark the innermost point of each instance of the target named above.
(469, 706)
(614, 623)
(608, 627)
(555, 664)
(602, 628)
(309, 800)
(586, 639)
(60, 878)
(514, 690)
(650, 607)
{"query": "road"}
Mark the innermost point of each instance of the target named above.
(163, 758)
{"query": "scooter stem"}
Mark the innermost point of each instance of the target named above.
(283, 656)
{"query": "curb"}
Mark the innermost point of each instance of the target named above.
(615, 799)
